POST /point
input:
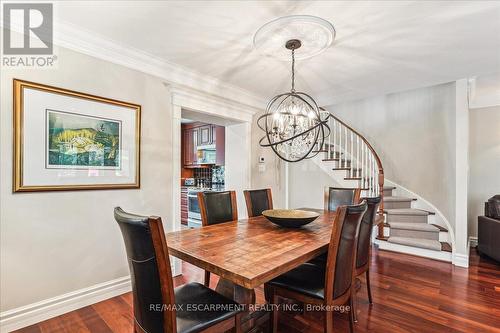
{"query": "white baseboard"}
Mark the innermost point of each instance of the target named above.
(461, 260)
(36, 312)
(426, 253)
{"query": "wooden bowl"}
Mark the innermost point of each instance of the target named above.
(290, 218)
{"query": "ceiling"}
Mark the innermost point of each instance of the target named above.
(381, 46)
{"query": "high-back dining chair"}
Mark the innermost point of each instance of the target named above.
(337, 196)
(364, 242)
(215, 208)
(329, 285)
(156, 302)
(258, 201)
(334, 198)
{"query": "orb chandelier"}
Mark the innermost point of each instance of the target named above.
(294, 126)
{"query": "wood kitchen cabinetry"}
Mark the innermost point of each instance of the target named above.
(198, 134)
(184, 205)
(189, 145)
(219, 139)
(205, 135)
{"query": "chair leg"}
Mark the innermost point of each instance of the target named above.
(207, 279)
(354, 305)
(274, 318)
(368, 287)
(351, 315)
(268, 293)
(328, 321)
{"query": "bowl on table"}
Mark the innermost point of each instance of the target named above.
(290, 218)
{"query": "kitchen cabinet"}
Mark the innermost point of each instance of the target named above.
(198, 134)
(219, 138)
(184, 205)
(205, 134)
(186, 143)
(189, 146)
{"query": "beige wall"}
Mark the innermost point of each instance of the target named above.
(484, 161)
(413, 132)
(274, 176)
(307, 183)
(237, 163)
(57, 242)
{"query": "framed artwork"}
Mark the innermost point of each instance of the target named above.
(67, 140)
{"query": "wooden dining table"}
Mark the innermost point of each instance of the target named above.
(249, 252)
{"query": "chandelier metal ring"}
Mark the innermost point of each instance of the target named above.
(266, 115)
(317, 124)
(293, 124)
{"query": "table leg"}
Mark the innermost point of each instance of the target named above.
(250, 320)
(236, 292)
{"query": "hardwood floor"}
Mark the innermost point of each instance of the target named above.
(410, 294)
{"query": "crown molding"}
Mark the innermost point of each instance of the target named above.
(198, 101)
(77, 39)
(479, 99)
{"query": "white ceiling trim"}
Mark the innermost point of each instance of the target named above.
(74, 38)
(479, 99)
(212, 105)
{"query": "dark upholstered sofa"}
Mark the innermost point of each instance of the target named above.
(488, 229)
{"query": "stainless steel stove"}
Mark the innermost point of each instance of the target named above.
(194, 215)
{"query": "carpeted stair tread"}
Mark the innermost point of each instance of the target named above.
(441, 228)
(406, 211)
(416, 242)
(397, 199)
(414, 226)
(387, 188)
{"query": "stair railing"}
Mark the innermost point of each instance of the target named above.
(354, 153)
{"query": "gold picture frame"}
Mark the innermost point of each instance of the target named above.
(19, 184)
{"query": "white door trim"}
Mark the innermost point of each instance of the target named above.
(189, 99)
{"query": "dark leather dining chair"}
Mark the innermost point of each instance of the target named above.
(258, 201)
(334, 198)
(337, 196)
(364, 242)
(157, 305)
(329, 285)
(215, 208)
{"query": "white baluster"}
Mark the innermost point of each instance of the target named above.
(373, 175)
(340, 144)
(329, 139)
(357, 158)
(345, 148)
(334, 137)
(367, 168)
(363, 165)
(352, 154)
(370, 179)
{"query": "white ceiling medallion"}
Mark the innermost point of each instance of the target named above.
(315, 34)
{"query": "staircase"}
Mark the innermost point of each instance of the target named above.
(353, 163)
(412, 227)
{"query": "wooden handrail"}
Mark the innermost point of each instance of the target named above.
(379, 166)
